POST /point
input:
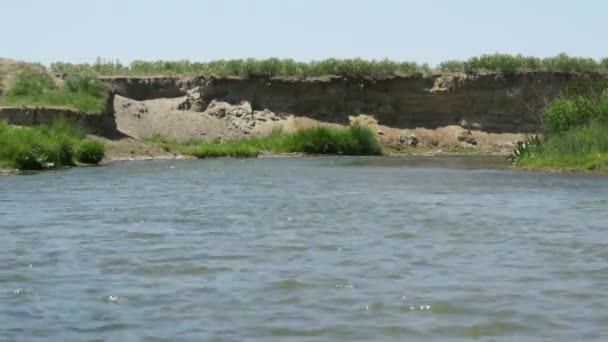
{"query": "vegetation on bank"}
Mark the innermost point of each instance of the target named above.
(47, 147)
(576, 134)
(352, 140)
(345, 67)
(37, 88)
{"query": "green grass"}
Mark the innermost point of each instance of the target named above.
(245, 68)
(506, 63)
(352, 140)
(42, 147)
(346, 67)
(35, 88)
(583, 147)
(576, 135)
(90, 151)
(588, 162)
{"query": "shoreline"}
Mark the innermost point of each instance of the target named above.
(7, 171)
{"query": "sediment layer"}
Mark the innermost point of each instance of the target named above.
(491, 102)
(420, 109)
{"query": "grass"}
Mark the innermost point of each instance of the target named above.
(352, 140)
(244, 68)
(45, 147)
(566, 113)
(506, 63)
(588, 162)
(576, 132)
(90, 151)
(270, 67)
(82, 92)
(584, 147)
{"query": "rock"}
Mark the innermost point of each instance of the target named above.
(380, 132)
(137, 109)
(221, 109)
(241, 116)
(469, 125)
(409, 140)
(193, 101)
(466, 137)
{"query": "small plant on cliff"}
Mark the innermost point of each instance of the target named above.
(563, 62)
(271, 67)
(452, 66)
(90, 151)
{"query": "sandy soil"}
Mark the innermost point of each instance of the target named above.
(142, 119)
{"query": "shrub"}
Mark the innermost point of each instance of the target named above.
(39, 147)
(32, 83)
(451, 66)
(563, 62)
(87, 84)
(270, 67)
(90, 152)
(565, 113)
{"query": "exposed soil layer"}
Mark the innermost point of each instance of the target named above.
(492, 102)
(483, 112)
(449, 112)
(100, 124)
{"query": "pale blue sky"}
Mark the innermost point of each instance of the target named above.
(419, 30)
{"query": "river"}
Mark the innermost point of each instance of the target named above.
(304, 249)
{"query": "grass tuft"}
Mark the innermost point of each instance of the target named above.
(90, 151)
(40, 147)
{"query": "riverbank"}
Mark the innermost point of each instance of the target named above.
(576, 135)
(480, 106)
(47, 147)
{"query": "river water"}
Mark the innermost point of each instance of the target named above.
(304, 249)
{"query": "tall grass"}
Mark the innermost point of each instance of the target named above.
(79, 91)
(506, 63)
(583, 147)
(345, 67)
(352, 140)
(576, 135)
(42, 147)
(245, 68)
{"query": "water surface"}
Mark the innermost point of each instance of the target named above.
(309, 249)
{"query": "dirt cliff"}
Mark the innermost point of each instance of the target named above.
(494, 108)
(493, 102)
(486, 111)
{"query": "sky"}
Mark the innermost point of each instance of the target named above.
(201, 30)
